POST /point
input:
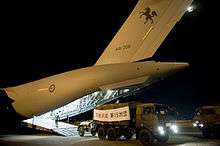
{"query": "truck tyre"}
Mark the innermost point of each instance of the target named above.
(128, 133)
(145, 137)
(163, 139)
(101, 133)
(81, 131)
(111, 132)
(137, 134)
(93, 131)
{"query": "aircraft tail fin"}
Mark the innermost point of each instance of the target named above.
(144, 31)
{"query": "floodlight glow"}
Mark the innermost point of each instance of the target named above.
(190, 9)
(109, 92)
(126, 90)
(96, 93)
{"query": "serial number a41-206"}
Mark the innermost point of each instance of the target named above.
(124, 47)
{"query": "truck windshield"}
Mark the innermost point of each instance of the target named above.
(147, 110)
(166, 110)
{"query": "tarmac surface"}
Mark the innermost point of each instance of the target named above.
(189, 139)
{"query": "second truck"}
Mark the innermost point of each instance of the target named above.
(207, 119)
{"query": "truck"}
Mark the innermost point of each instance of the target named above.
(86, 126)
(150, 122)
(207, 119)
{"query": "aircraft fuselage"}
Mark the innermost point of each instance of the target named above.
(46, 94)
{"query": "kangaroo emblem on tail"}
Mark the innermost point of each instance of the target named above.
(148, 15)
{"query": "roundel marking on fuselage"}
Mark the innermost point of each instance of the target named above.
(52, 88)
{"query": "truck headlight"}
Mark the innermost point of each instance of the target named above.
(174, 128)
(195, 124)
(161, 130)
(201, 125)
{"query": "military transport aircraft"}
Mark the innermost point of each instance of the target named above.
(121, 65)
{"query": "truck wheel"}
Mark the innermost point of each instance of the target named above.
(118, 133)
(128, 133)
(145, 137)
(163, 139)
(111, 132)
(81, 131)
(101, 133)
(93, 132)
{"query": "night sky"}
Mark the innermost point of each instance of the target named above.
(43, 39)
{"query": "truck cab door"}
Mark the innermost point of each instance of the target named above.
(148, 117)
